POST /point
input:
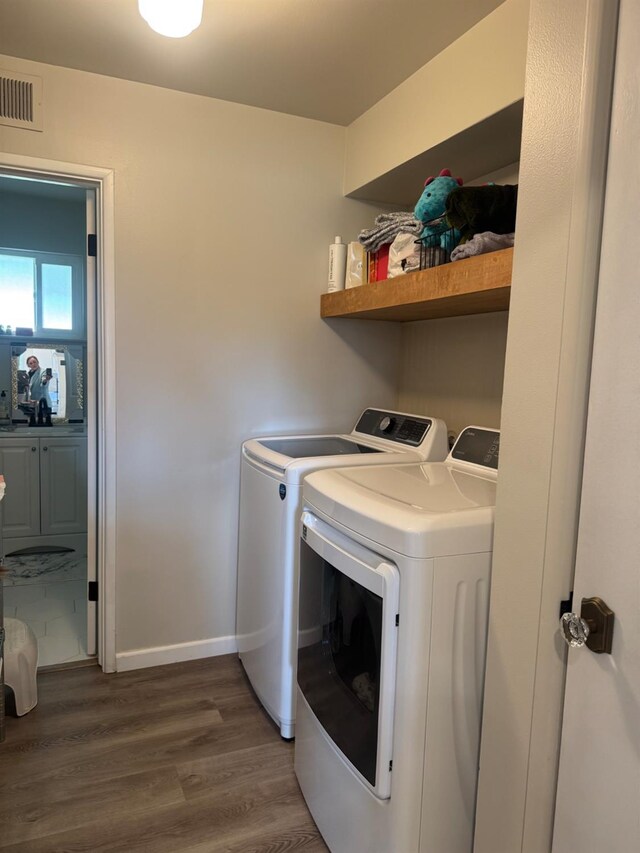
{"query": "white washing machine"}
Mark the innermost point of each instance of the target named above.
(270, 505)
(394, 588)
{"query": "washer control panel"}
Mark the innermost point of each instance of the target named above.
(478, 446)
(404, 429)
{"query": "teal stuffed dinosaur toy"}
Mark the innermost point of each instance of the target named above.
(430, 210)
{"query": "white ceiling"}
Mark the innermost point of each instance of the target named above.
(324, 59)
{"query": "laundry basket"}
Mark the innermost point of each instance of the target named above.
(436, 249)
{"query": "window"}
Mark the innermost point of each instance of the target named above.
(43, 292)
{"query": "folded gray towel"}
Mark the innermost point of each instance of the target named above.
(387, 226)
(481, 243)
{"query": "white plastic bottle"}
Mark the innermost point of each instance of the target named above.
(337, 264)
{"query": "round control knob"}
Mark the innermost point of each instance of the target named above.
(574, 629)
(387, 424)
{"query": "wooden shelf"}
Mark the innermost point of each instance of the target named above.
(476, 285)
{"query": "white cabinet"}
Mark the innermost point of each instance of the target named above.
(46, 486)
(63, 485)
(20, 464)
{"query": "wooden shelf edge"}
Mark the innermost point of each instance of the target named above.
(473, 286)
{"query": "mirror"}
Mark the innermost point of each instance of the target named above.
(47, 384)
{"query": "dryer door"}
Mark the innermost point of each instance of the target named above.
(347, 641)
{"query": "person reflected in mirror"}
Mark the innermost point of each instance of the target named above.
(39, 379)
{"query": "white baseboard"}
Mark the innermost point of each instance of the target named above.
(141, 658)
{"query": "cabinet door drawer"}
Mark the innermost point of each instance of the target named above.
(21, 505)
(63, 485)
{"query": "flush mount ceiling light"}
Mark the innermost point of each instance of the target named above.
(173, 18)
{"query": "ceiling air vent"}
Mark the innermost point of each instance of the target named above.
(20, 100)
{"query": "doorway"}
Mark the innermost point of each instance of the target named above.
(57, 443)
(46, 287)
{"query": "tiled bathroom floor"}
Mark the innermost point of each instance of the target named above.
(49, 593)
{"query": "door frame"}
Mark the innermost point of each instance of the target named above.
(101, 382)
(546, 388)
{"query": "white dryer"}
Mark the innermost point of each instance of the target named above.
(394, 589)
(272, 471)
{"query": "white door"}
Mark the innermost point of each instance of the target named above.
(598, 798)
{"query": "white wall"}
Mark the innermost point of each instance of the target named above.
(477, 77)
(223, 216)
(454, 368)
(509, 174)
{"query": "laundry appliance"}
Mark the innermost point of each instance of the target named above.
(394, 588)
(272, 470)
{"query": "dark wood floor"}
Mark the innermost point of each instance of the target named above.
(176, 758)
